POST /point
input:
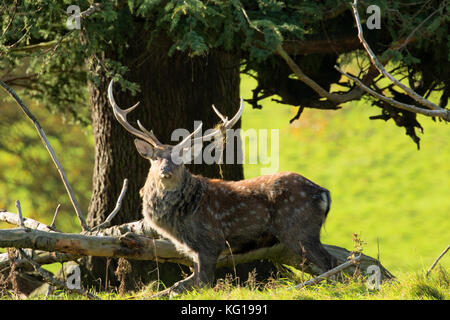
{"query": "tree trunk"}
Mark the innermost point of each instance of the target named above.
(175, 91)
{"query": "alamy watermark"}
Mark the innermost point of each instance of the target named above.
(74, 20)
(374, 20)
(73, 280)
(374, 279)
(262, 146)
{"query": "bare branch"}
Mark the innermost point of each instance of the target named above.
(304, 78)
(41, 45)
(328, 274)
(11, 19)
(52, 225)
(93, 8)
(437, 260)
(441, 113)
(410, 36)
(41, 257)
(55, 282)
(381, 68)
(111, 216)
(14, 219)
(52, 154)
(19, 212)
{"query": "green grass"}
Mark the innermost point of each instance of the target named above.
(409, 286)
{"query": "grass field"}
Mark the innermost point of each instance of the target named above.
(408, 286)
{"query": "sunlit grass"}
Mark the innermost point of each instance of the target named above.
(407, 286)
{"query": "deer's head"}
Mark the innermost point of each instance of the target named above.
(167, 161)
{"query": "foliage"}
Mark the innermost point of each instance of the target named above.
(56, 63)
(27, 172)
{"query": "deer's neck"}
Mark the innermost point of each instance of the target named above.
(161, 203)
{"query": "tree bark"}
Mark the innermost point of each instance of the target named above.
(175, 91)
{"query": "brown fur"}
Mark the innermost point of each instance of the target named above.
(200, 215)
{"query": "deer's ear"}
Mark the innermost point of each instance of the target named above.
(145, 149)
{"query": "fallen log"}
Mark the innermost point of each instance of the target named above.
(128, 241)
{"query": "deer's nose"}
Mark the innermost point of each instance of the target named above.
(165, 174)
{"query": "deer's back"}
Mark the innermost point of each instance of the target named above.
(252, 210)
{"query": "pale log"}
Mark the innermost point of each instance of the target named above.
(138, 247)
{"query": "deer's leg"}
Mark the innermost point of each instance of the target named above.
(181, 286)
(206, 267)
(316, 253)
(306, 243)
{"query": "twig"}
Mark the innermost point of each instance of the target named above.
(441, 113)
(41, 257)
(55, 282)
(409, 37)
(158, 277)
(52, 154)
(19, 212)
(93, 8)
(437, 260)
(47, 45)
(328, 274)
(13, 218)
(111, 216)
(232, 258)
(381, 68)
(11, 19)
(298, 114)
(52, 225)
(250, 23)
(49, 291)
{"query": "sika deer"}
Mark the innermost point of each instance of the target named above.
(200, 215)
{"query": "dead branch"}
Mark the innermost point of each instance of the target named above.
(135, 246)
(376, 68)
(55, 282)
(329, 273)
(19, 212)
(437, 260)
(111, 216)
(41, 257)
(443, 113)
(13, 219)
(52, 225)
(130, 245)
